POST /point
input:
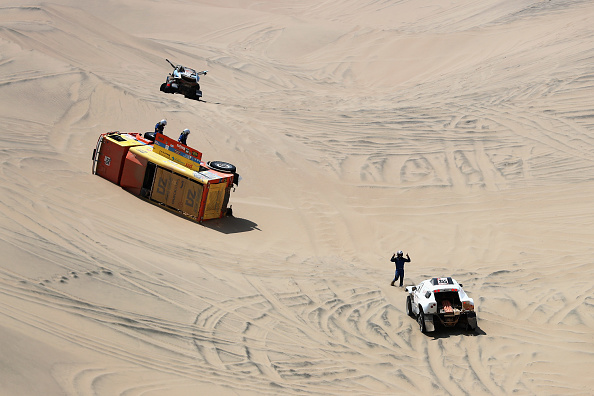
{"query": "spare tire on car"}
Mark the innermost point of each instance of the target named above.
(221, 166)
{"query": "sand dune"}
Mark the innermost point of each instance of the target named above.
(459, 132)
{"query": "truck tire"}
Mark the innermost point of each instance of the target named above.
(149, 136)
(221, 166)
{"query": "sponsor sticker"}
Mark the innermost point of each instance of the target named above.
(209, 175)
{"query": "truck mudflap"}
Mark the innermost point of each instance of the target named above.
(429, 325)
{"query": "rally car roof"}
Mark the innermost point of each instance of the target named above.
(442, 281)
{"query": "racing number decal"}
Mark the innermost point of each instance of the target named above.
(161, 186)
(175, 195)
(442, 281)
(190, 197)
(177, 192)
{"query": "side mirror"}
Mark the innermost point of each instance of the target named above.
(414, 288)
(461, 285)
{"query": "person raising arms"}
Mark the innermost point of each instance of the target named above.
(399, 260)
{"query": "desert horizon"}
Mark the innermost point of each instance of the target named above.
(460, 132)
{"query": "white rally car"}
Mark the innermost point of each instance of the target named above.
(440, 301)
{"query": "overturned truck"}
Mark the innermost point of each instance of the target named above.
(166, 172)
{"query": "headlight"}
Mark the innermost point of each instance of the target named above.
(468, 306)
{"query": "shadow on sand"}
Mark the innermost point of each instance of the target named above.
(231, 225)
(441, 332)
(226, 225)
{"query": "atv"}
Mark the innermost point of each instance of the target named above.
(183, 80)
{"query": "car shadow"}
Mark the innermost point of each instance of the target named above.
(440, 333)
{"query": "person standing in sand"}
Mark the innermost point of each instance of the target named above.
(399, 260)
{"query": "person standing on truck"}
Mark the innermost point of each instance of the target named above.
(399, 260)
(160, 126)
(184, 136)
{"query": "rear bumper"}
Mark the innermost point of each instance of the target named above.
(451, 320)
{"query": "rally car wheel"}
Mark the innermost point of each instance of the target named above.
(192, 95)
(222, 166)
(421, 321)
(163, 87)
(409, 311)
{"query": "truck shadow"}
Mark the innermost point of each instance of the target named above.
(226, 225)
(231, 225)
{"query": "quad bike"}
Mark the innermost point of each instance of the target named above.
(183, 80)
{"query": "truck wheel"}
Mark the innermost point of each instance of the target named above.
(163, 87)
(409, 311)
(421, 321)
(222, 166)
(149, 136)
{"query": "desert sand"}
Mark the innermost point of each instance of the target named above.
(461, 132)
